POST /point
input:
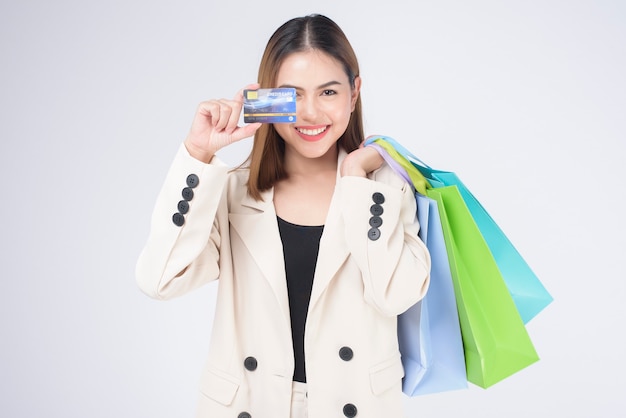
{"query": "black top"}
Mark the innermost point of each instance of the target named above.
(300, 248)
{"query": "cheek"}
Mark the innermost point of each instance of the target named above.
(339, 109)
(282, 129)
(344, 111)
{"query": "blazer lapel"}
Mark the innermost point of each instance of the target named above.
(258, 229)
(333, 247)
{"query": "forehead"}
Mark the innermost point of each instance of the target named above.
(309, 69)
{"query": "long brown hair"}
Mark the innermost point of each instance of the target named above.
(313, 32)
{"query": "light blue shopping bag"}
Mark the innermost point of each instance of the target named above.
(429, 333)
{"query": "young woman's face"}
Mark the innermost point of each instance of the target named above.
(325, 101)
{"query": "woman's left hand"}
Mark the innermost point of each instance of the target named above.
(361, 161)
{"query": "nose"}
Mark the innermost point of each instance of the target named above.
(307, 109)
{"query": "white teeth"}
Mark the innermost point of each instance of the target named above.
(311, 132)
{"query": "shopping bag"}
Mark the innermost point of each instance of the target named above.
(429, 333)
(439, 346)
(496, 343)
(528, 292)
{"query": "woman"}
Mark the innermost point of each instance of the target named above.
(315, 244)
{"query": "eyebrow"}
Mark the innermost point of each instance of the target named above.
(322, 86)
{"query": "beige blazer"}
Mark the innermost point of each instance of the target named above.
(362, 282)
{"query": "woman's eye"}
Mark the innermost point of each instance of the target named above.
(328, 92)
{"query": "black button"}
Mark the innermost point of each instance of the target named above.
(192, 180)
(373, 234)
(183, 207)
(250, 363)
(375, 221)
(178, 219)
(187, 193)
(244, 415)
(349, 410)
(376, 210)
(346, 353)
(378, 198)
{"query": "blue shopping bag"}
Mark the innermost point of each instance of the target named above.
(429, 333)
(529, 294)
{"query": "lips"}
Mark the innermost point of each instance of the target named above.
(311, 133)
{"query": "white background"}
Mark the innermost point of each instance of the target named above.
(526, 101)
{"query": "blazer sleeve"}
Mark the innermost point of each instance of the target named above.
(381, 233)
(182, 250)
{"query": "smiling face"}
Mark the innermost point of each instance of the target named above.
(325, 100)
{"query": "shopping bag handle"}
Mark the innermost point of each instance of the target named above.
(414, 171)
(429, 174)
(397, 168)
(403, 151)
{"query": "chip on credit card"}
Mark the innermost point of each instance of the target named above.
(269, 105)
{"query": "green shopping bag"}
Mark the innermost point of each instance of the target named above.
(495, 340)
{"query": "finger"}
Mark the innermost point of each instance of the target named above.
(207, 113)
(207, 108)
(225, 111)
(375, 160)
(235, 113)
(239, 95)
(237, 105)
(246, 131)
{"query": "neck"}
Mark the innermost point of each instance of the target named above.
(296, 165)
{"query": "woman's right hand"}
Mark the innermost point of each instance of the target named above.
(215, 126)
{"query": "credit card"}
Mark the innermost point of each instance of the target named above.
(269, 105)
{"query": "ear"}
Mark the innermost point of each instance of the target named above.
(356, 90)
